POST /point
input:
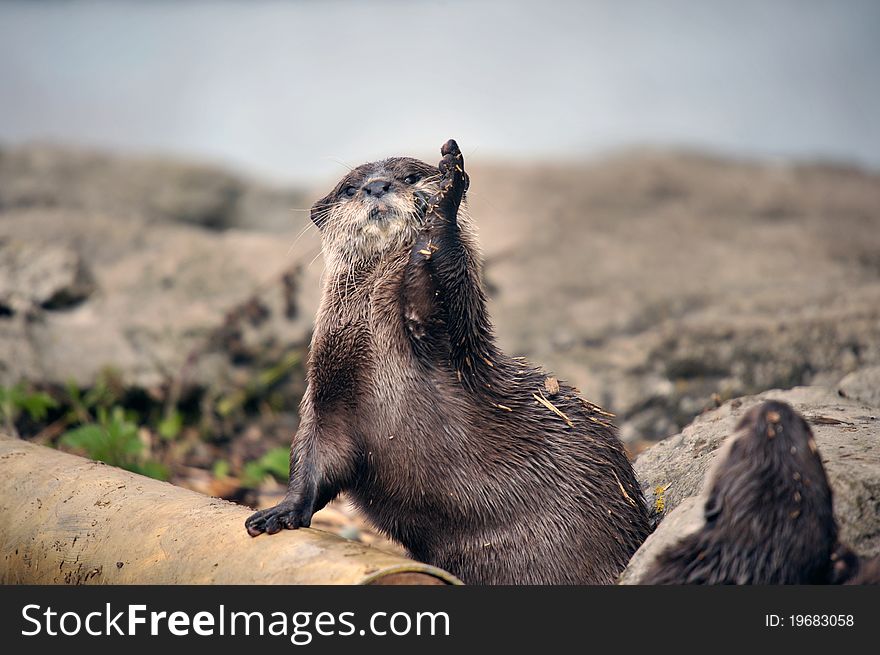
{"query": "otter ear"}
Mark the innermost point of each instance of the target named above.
(320, 210)
(712, 508)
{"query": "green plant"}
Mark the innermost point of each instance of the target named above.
(221, 468)
(83, 405)
(114, 439)
(276, 463)
(169, 427)
(17, 399)
(259, 385)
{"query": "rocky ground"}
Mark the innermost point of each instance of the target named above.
(661, 283)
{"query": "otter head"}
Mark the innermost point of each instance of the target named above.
(376, 208)
(771, 463)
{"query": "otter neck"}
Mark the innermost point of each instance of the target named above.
(351, 280)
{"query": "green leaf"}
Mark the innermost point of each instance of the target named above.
(73, 391)
(90, 438)
(83, 436)
(170, 426)
(277, 462)
(37, 405)
(114, 441)
(252, 475)
(221, 468)
(150, 468)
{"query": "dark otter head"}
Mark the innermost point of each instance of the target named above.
(770, 501)
(768, 511)
(771, 464)
(376, 208)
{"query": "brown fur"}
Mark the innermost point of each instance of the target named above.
(434, 433)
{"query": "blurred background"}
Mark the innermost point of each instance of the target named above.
(284, 89)
(679, 204)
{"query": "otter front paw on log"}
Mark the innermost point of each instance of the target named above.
(491, 474)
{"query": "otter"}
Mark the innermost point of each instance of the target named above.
(474, 461)
(768, 516)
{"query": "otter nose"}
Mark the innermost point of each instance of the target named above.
(377, 188)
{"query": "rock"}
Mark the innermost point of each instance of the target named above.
(34, 276)
(847, 433)
(174, 302)
(862, 385)
(686, 519)
(153, 189)
(175, 277)
(716, 277)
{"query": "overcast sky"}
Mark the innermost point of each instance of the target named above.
(287, 89)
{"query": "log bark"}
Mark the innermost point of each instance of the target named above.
(69, 520)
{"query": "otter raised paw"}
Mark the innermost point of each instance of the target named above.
(453, 183)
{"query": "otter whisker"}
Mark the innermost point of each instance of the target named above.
(337, 160)
(309, 225)
(320, 252)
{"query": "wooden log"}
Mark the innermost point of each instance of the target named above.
(69, 520)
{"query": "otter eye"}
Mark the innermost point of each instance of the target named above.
(349, 191)
(412, 178)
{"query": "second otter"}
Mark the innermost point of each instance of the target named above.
(469, 458)
(768, 514)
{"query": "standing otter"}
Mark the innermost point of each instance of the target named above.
(474, 461)
(768, 514)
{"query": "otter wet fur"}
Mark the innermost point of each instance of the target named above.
(474, 461)
(768, 514)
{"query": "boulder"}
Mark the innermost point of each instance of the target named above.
(661, 283)
(151, 301)
(862, 385)
(34, 276)
(141, 188)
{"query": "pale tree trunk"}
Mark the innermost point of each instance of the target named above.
(69, 520)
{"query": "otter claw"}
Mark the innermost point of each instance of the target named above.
(285, 515)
